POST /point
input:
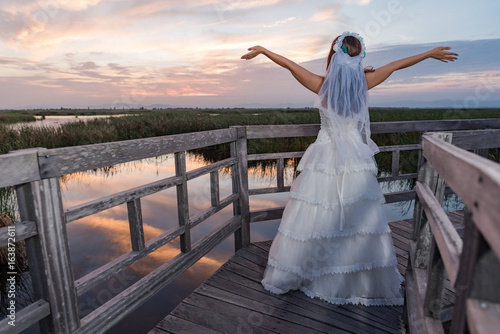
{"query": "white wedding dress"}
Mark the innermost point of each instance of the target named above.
(334, 241)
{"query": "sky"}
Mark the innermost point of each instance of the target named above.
(130, 53)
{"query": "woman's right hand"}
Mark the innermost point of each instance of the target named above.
(254, 52)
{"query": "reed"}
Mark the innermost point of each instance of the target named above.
(144, 124)
(8, 217)
(16, 117)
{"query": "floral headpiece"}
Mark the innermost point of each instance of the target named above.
(339, 47)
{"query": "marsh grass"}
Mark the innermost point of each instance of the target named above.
(8, 217)
(142, 124)
(10, 117)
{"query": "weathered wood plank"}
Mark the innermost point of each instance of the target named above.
(415, 292)
(400, 196)
(27, 211)
(61, 161)
(475, 180)
(274, 156)
(465, 274)
(447, 239)
(280, 131)
(313, 309)
(135, 223)
(107, 202)
(214, 188)
(486, 279)
(19, 167)
(23, 230)
(41, 202)
(436, 125)
(408, 176)
(175, 325)
(436, 277)
(270, 190)
(309, 130)
(26, 317)
(266, 214)
(211, 168)
(250, 256)
(391, 148)
(261, 306)
(230, 322)
(280, 177)
(200, 217)
(182, 201)
(240, 185)
(468, 140)
(395, 163)
(104, 272)
(128, 300)
(483, 317)
(422, 232)
(235, 279)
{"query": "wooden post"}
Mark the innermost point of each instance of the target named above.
(48, 254)
(435, 283)
(465, 274)
(395, 163)
(280, 177)
(240, 185)
(483, 152)
(422, 232)
(136, 225)
(422, 236)
(214, 188)
(182, 201)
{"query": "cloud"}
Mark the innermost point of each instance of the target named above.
(188, 52)
(88, 65)
(278, 23)
(326, 14)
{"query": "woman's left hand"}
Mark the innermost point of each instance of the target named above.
(441, 53)
(254, 52)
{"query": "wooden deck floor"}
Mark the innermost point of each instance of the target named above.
(233, 301)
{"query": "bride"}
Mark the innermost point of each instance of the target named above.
(334, 240)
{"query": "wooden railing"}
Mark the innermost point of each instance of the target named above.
(36, 172)
(35, 175)
(438, 253)
(463, 140)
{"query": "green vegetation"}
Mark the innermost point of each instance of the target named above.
(15, 117)
(150, 123)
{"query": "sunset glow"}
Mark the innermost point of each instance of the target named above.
(129, 53)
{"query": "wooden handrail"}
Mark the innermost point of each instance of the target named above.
(475, 181)
(447, 238)
(473, 266)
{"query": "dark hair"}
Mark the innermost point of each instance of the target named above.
(352, 44)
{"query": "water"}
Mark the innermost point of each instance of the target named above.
(98, 239)
(55, 121)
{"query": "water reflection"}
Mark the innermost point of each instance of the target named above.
(98, 239)
(55, 121)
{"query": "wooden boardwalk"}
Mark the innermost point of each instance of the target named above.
(233, 300)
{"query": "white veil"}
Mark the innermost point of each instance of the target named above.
(343, 99)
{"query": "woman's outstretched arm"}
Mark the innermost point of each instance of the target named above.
(379, 75)
(309, 80)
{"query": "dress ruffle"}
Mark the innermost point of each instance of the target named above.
(335, 245)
